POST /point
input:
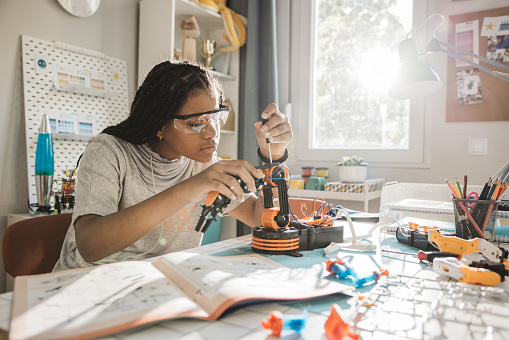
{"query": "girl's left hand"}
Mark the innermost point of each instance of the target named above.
(277, 129)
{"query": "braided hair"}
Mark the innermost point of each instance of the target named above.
(163, 92)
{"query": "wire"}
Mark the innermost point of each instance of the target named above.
(313, 212)
(161, 229)
(424, 23)
(282, 166)
(31, 205)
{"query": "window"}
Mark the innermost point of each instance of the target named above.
(343, 54)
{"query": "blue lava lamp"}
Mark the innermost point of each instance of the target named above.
(44, 165)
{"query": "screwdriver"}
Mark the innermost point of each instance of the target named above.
(430, 256)
(267, 140)
(426, 256)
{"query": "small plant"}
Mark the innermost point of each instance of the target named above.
(352, 161)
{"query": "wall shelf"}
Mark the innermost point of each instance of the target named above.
(216, 73)
(210, 19)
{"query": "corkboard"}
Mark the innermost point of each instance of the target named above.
(495, 91)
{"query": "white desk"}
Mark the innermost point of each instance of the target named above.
(413, 303)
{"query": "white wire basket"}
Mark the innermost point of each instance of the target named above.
(420, 203)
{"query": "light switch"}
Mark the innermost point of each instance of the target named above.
(478, 146)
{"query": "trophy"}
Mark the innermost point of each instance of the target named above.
(209, 50)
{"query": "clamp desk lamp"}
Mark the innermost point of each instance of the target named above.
(415, 78)
(44, 166)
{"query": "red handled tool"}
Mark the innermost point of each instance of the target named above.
(431, 255)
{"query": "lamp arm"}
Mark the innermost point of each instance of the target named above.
(435, 45)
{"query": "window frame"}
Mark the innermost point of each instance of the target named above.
(301, 92)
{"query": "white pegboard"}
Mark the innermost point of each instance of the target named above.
(40, 94)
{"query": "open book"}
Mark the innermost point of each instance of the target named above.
(93, 302)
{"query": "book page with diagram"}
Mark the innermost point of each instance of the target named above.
(92, 302)
(218, 282)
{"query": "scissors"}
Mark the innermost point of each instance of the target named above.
(471, 195)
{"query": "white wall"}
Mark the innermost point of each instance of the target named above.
(113, 30)
(447, 142)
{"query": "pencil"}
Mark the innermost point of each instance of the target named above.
(482, 196)
(506, 184)
(454, 190)
(454, 193)
(496, 193)
(492, 189)
(485, 190)
(459, 188)
(465, 180)
(493, 196)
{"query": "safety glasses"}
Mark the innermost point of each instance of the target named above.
(197, 122)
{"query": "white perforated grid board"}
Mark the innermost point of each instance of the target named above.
(40, 94)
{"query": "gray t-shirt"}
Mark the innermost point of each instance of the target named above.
(114, 175)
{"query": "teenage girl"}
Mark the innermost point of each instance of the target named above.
(141, 182)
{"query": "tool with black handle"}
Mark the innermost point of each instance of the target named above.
(268, 142)
(216, 203)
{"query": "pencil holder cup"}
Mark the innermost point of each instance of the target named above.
(474, 218)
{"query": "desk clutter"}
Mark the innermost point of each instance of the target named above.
(463, 291)
(316, 179)
(447, 286)
(451, 229)
(456, 227)
(471, 211)
(476, 261)
(421, 304)
(311, 179)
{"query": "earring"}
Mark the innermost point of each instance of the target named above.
(159, 136)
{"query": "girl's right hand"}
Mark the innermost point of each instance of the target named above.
(220, 177)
